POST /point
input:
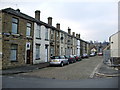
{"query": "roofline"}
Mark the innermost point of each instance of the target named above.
(114, 34)
(37, 21)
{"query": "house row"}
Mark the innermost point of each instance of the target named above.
(27, 40)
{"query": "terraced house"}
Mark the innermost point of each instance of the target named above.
(27, 40)
(41, 42)
(17, 38)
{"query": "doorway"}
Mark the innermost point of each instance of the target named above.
(28, 57)
(46, 53)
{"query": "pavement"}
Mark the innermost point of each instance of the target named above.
(24, 69)
(102, 71)
(107, 71)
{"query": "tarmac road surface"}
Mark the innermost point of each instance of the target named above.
(34, 82)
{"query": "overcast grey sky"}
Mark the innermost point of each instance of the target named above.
(93, 19)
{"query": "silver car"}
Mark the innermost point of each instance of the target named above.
(59, 60)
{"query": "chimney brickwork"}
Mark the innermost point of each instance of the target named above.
(37, 15)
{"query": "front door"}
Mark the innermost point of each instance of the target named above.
(28, 57)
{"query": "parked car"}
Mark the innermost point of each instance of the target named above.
(70, 58)
(100, 54)
(85, 55)
(77, 57)
(92, 54)
(59, 60)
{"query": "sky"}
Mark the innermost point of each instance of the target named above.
(94, 20)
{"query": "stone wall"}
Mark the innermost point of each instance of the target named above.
(19, 39)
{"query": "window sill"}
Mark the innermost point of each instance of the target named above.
(29, 37)
(14, 61)
(46, 39)
(37, 59)
(38, 38)
(15, 34)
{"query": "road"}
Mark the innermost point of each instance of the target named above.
(76, 75)
(79, 70)
(34, 82)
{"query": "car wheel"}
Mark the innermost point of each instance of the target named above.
(61, 64)
(72, 61)
(68, 63)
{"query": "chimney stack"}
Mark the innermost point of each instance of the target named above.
(79, 35)
(76, 35)
(50, 21)
(73, 33)
(37, 15)
(69, 31)
(18, 10)
(58, 26)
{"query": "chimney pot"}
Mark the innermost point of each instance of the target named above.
(37, 15)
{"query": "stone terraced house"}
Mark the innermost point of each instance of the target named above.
(17, 38)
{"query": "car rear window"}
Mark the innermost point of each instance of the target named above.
(55, 57)
(67, 56)
(62, 57)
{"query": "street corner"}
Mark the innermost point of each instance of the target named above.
(107, 71)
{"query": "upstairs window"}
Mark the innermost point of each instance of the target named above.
(28, 29)
(38, 31)
(14, 25)
(57, 36)
(46, 33)
(62, 38)
(52, 34)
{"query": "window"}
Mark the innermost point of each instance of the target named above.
(52, 50)
(14, 25)
(13, 53)
(28, 29)
(38, 29)
(37, 51)
(57, 35)
(66, 38)
(52, 34)
(61, 50)
(46, 33)
(61, 38)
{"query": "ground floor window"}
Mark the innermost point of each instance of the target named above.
(37, 51)
(52, 50)
(13, 52)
